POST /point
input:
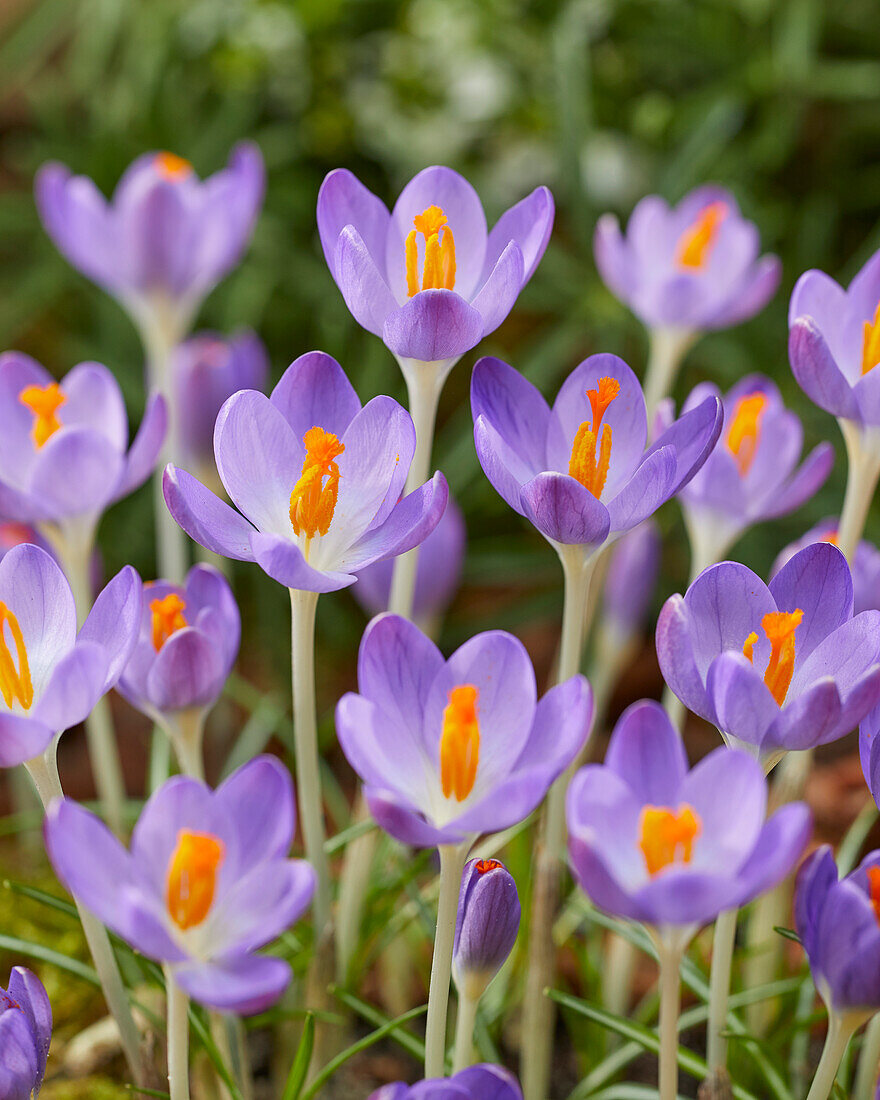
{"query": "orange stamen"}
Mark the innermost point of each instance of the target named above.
(15, 683)
(44, 402)
(696, 243)
(167, 618)
(192, 877)
(745, 430)
(871, 342)
(779, 627)
(831, 536)
(874, 890)
(438, 271)
(667, 837)
(460, 743)
(484, 866)
(313, 500)
(171, 166)
(584, 465)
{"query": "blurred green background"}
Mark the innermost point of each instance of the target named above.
(604, 100)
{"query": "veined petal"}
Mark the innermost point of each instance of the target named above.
(564, 511)
(314, 391)
(433, 325)
(205, 518)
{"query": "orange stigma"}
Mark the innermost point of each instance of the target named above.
(696, 242)
(460, 743)
(831, 536)
(313, 500)
(779, 627)
(192, 877)
(167, 618)
(871, 342)
(172, 167)
(15, 683)
(874, 890)
(44, 402)
(438, 270)
(585, 466)
(666, 837)
(484, 866)
(745, 430)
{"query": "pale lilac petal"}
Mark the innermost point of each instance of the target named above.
(807, 720)
(781, 843)
(817, 581)
(283, 560)
(758, 286)
(564, 511)
(76, 472)
(140, 462)
(22, 739)
(259, 798)
(93, 400)
(315, 392)
(743, 705)
(561, 727)
(677, 659)
(651, 485)
(74, 686)
(724, 786)
(646, 751)
(403, 822)
(363, 287)
(188, 672)
(265, 901)
(727, 602)
(817, 373)
(432, 326)
(408, 525)
(245, 984)
(343, 200)
(530, 223)
(613, 259)
(805, 483)
(114, 620)
(205, 518)
(516, 410)
(496, 297)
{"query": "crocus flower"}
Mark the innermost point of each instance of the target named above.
(486, 926)
(206, 882)
(482, 1082)
(630, 581)
(64, 453)
(692, 267)
(428, 278)
(580, 471)
(317, 478)
(166, 237)
(50, 675)
(205, 371)
(451, 749)
(775, 667)
(653, 842)
(752, 474)
(25, 1035)
(865, 565)
(438, 572)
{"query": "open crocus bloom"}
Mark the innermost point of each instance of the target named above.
(428, 278)
(839, 925)
(165, 239)
(653, 842)
(187, 644)
(64, 454)
(206, 882)
(693, 267)
(318, 478)
(580, 471)
(448, 750)
(483, 1082)
(865, 565)
(752, 474)
(50, 675)
(25, 1035)
(775, 668)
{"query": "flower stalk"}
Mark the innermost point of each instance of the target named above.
(840, 1030)
(719, 988)
(667, 351)
(178, 1038)
(464, 1032)
(452, 861)
(670, 1005)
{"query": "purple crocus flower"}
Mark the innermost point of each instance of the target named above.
(165, 239)
(692, 267)
(448, 750)
(482, 1082)
(775, 667)
(428, 278)
(186, 647)
(839, 925)
(438, 572)
(25, 1035)
(51, 676)
(206, 882)
(580, 471)
(653, 842)
(317, 478)
(205, 371)
(865, 565)
(486, 925)
(752, 474)
(64, 453)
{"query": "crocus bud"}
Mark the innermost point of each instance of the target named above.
(632, 575)
(25, 1033)
(486, 925)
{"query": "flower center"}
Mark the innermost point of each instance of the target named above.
(460, 743)
(192, 877)
(586, 465)
(313, 499)
(779, 626)
(666, 837)
(874, 890)
(15, 682)
(871, 342)
(44, 402)
(172, 167)
(168, 617)
(745, 430)
(438, 271)
(696, 243)
(484, 866)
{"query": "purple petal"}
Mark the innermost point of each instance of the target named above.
(188, 672)
(780, 845)
(432, 326)
(529, 223)
(488, 1083)
(283, 560)
(651, 485)
(245, 985)
(343, 200)
(692, 437)
(817, 580)
(28, 992)
(408, 525)
(808, 719)
(205, 518)
(561, 727)
(647, 753)
(404, 823)
(76, 472)
(744, 708)
(264, 902)
(315, 391)
(728, 793)
(817, 373)
(516, 410)
(20, 1067)
(75, 215)
(817, 295)
(677, 659)
(757, 287)
(114, 621)
(564, 511)
(613, 258)
(144, 451)
(686, 897)
(259, 798)
(93, 400)
(811, 476)
(364, 289)
(75, 685)
(846, 654)
(382, 752)
(22, 739)
(498, 294)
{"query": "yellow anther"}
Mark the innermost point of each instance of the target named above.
(779, 628)
(167, 618)
(460, 743)
(871, 342)
(313, 499)
(15, 683)
(438, 270)
(44, 402)
(171, 166)
(585, 465)
(744, 432)
(192, 877)
(666, 837)
(696, 243)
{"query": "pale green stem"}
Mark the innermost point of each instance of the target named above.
(719, 988)
(670, 1004)
(303, 607)
(464, 1032)
(43, 771)
(668, 348)
(840, 1031)
(178, 1038)
(186, 730)
(452, 860)
(865, 1087)
(863, 471)
(538, 1010)
(354, 879)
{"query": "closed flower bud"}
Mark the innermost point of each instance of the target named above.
(486, 925)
